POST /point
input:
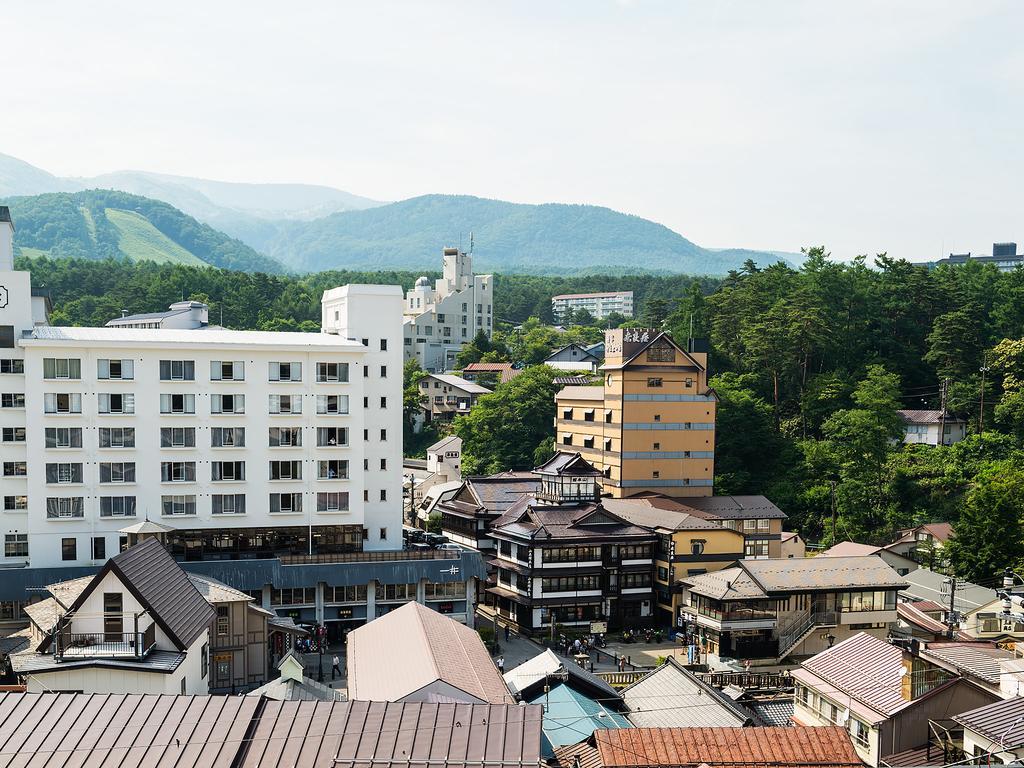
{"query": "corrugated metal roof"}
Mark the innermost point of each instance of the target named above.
(459, 383)
(817, 573)
(673, 697)
(286, 689)
(866, 668)
(980, 659)
(136, 731)
(735, 507)
(411, 647)
(203, 336)
(927, 417)
(571, 715)
(534, 671)
(726, 584)
(923, 584)
(777, 713)
(795, 746)
(850, 549)
(1001, 721)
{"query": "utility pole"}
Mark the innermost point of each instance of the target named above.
(981, 416)
(951, 616)
(942, 411)
(833, 484)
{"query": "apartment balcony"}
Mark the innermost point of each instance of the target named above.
(78, 646)
(735, 619)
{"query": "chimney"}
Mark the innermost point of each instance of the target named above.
(6, 240)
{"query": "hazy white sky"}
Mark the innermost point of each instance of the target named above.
(867, 125)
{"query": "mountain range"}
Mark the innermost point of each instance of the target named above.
(304, 227)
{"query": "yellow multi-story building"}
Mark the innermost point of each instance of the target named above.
(650, 426)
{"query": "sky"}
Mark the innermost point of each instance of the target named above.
(864, 126)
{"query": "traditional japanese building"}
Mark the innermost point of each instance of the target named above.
(650, 427)
(562, 557)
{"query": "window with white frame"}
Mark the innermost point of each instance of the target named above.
(15, 545)
(286, 470)
(178, 437)
(117, 471)
(123, 370)
(332, 502)
(227, 471)
(63, 437)
(332, 469)
(331, 372)
(110, 403)
(63, 472)
(329, 437)
(116, 437)
(285, 371)
(228, 503)
(227, 403)
(227, 370)
(14, 400)
(285, 404)
(332, 404)
(15, 469)
(117, 506)
(177, 505)
(12, 365)
(227, 437)
(285, 437)
(62, 368)
(15, 503)
(177, 404)
(177, 471)
(60, 402)
(177, 370)
(65, 507)
(285, 502)
(13, 434)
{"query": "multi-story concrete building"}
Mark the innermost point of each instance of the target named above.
(600, 305)
(651, 426)
(1004, 256)
(439, 320)
(445, 396)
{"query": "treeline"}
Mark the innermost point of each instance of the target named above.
(92, 292)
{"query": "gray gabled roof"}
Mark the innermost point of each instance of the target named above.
(673, 697)
(1001, 721)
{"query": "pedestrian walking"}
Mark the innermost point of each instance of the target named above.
(507, 633)
(335, 666)
(501, 665)
(622, 663)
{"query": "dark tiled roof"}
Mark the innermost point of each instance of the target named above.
(530, 518)
(134, 731)
(652, 512)
(734, 507)
(736, 747)
(1002, 721)
(573, 462)
(925, 417)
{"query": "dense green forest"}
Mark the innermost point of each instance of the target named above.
(810, 366)
(103, 224)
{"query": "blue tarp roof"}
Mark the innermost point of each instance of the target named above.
(571, 716)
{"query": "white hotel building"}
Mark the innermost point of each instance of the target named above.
(599, 305)
(238, 443)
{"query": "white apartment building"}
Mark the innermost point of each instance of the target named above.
(243, 443)
(439, 320)
(600, 305)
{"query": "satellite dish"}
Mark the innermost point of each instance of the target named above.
(903, 671)
(845, 716)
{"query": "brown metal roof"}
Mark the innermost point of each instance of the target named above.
(1002, 721)
(866, 668)
(735, 747)
(136, 731)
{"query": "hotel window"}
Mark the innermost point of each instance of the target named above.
(331, 372)
(177, 437)
(179, 505)
(285, 437)
(383, 434)
(15, 469)
(656, 447)
(588, 415)
(178, 404)
(15, 503)
(383, 495)
(749, 525)
(333, 404)
(327, 437)
(227, 471)
(62, 368)
(657, 417)
(608, 444)
(177, 471)
(756, 549)
(383, 402)
(332, 502)
(332, 469)
(116, 437)
(653, 382)
(117, 471)
(655, 474)
(286, 470)
(285, 502)
(689, 383)
(228, 503)
(177, 370)
(383, 465)
(65, 507)
(63, 437)
(227, 370)
(63, 472)
(859, 732)
(763, 524)
(223, 621)
(567, 439)
(117, 506)
(12, 365)
(68, 549)
(16, 545)
(227, 403)
(59, 402)
(286, 371)
(608, 417)
(116, 404)
(227, 437)
(122, 370)
(383, 345)
(567, 413)
(285, 404)
(99, 548)
(697, 546)
(588, 442)
(383, 371)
